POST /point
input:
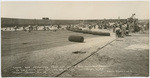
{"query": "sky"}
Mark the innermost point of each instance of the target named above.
(75, 9)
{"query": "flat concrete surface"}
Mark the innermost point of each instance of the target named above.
(125, 57)
(52, 61)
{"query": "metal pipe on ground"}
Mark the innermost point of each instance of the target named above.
(91, 32)
(100, 33)
(74, 38)
(77, 30)
(86, 31)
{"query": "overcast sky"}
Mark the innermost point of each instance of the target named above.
(75, 9)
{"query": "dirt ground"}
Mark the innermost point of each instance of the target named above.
(43, 48)
(20, 41)
(50, 53)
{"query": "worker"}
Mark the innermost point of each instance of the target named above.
(118, 32)
(24, 29)
(123, 33)
(44, 28)
(15, 28)
(30, 28)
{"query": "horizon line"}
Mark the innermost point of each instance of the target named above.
(69, 19)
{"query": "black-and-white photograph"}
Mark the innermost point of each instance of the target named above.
(75, 38)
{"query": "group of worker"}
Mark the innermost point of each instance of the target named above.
(121, 30)
(35, 28)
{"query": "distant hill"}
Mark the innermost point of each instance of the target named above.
(9, 22)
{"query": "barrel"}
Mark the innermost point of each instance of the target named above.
(74, 38)
(100, 33)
